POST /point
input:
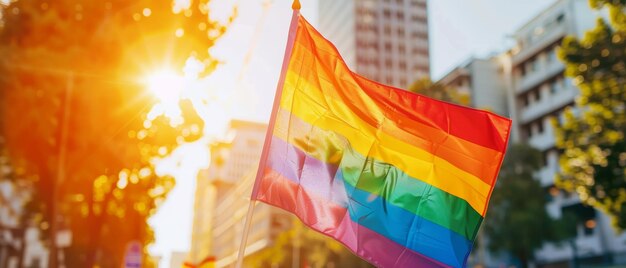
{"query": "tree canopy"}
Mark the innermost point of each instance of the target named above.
(434, 90)
(516, 223)
(316, 250)
(73, 109)
(591, 134)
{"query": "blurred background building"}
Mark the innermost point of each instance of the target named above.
(527, 83)
(384, 40)
(19, 246)
(387, 41)
(178, 259)
(222, 199)
(482, 81)
(539, 92)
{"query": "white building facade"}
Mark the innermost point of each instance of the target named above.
(383, 40)
(527, 83)
(483, 81)
(539, 92)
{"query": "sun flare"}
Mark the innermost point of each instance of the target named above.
(166, 85)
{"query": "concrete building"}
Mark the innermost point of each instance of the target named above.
(222, 199)
(527, 83)
(178, 259)
(539, 92)
(483, 81)
(384, 40)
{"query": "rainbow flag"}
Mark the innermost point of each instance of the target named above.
(400, 179)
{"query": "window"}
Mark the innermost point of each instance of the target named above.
(567, 83)
(403, 65)
(401, 32)
(522, 71)
(418, 18)
(400, 15)
(584, 215)
(360, 61)
(589, 225)
(552, 55)
(387, 30)
(387, 13)
(376, 63)
(556, 85)
(551, 192)
(418, 51)
(531, 65)
(373, 28)
(401, 49)
(525, 101)
(537, 95)
(553, 87)
(420, 69)
(535, 65)
(387, 46)
(560, 18)
(530, 98)
(360, 44)
(418, 3)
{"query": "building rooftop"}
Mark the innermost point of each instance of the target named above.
(238, 124)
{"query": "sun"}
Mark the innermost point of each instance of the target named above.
(166, 85)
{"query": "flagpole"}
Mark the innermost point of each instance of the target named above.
(244, 237)
(268, 135)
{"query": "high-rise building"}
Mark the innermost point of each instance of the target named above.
(383, 40)
(222, 199)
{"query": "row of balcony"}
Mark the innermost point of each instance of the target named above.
(546, 71)
(545, 106)
(540, 43)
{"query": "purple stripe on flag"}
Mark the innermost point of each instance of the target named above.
(318, 177)
(279, 191)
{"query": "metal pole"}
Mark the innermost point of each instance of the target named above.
(290, 41)
(244, 237)
(54, 251)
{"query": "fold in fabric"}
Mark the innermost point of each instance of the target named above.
(400, 179)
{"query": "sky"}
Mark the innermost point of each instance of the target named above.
(252, 51)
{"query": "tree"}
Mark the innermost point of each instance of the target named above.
(316, 250)
(518, 222)
(74, 111)
(428, 88)
(591, 134)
